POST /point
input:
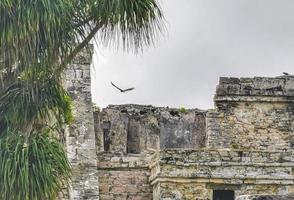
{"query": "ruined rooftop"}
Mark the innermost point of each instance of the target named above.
(243, 148)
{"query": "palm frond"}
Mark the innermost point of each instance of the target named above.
(33, 97)
(135, 23)
(38, 39)
(32, 168)
(34, 30)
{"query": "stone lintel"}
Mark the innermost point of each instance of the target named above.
(261, 99)
(221, 181)
(255, 89)
(223, 167)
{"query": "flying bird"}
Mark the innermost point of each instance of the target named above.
(286, 74)
(122, 90)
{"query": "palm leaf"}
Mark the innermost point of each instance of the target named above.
(38, 39)
(33, 167)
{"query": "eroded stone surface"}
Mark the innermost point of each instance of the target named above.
(265, 197)
(245, 145)
(134, 134)
(80, 137)
(253, 113)
(135, 128)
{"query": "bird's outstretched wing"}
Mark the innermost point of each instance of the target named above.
(121, 90)
(117, 87)
(129, 89)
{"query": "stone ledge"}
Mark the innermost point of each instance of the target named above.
(266, 197)
(261, 99)
(225, 181)
(223, 157)
(229, 166)
(110, 160)
(257, 86)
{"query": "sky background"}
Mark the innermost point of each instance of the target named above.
(205, 39)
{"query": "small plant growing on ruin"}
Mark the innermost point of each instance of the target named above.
(96, 108)
(235, 146)
(182, 110)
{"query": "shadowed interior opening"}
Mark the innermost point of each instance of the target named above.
(223, 195)
(106, 136)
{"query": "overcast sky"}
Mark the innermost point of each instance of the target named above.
(205, 39)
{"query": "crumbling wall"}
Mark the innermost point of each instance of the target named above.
(182, 129)
(253, 113)
(135, 129)
(131, 185)
(124, 176)
(181, 190)
(80, 137)
(128, 136)
(245, 145)
(266, 197)
(196, 173)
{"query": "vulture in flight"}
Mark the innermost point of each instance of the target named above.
(122, 90)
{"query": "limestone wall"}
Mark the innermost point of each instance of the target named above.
(145, 152)
(124, 176)
(195, 174)
(253, 113)
(167, 190)
(135, 129)
(80, 138)
(128, 136)
(230, 167)
(265, 197)
(132, 185)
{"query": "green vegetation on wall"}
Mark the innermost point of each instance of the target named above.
(38, 39)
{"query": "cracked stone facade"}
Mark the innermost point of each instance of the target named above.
(80, 136)
(243, 147)
(266, 197)
(128, 136)
(253, 113)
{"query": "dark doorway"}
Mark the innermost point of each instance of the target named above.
(223, 195)
(133, 137)
(106, 135)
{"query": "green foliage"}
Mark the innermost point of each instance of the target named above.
(18, 107)
(42, 31)
(38, 39)
(136, 22)
(66, 107)
(235, 146)
(96, 108)
(182, 110)
(32, 168)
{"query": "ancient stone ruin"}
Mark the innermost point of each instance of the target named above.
(266, 197)
(242, 149)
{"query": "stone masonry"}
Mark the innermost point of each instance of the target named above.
(266, 197)
(244, 146)
(243, 149)
(129, 135)
(80, 137)
(253, 113)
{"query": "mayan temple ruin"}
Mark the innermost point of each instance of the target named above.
(242, 148)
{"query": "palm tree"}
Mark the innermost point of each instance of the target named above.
(38, 39)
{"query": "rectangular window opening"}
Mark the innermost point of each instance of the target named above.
(106, 136)
(223, 195)
(133, 138)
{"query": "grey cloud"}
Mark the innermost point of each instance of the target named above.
(206, 39)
